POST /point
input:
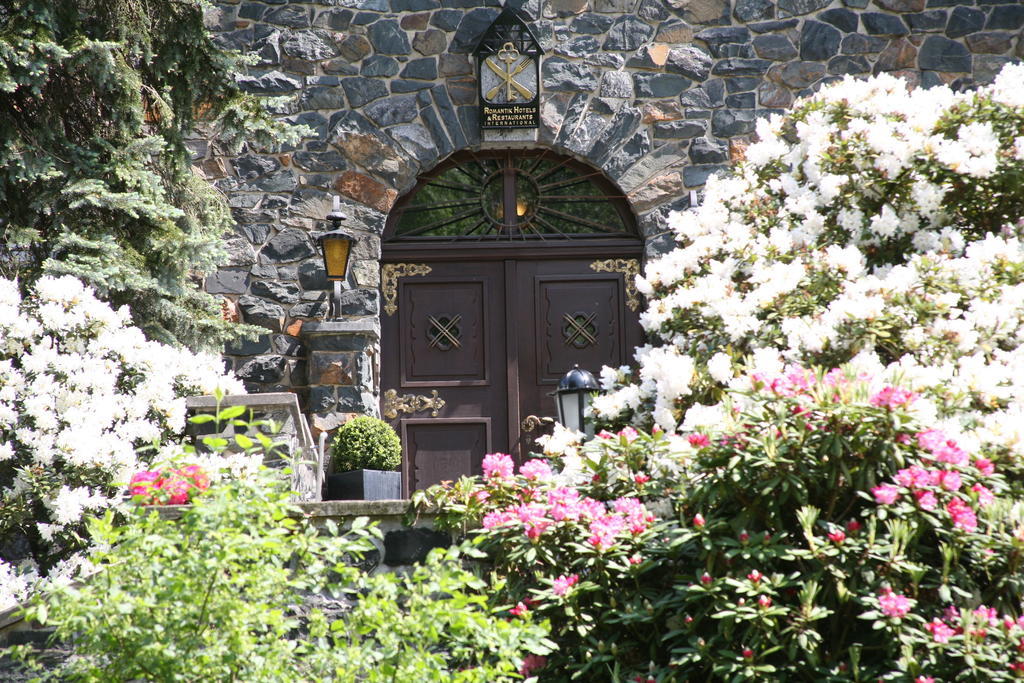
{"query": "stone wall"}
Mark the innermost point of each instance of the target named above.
(657, 93)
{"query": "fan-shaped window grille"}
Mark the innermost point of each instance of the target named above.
(511, 195)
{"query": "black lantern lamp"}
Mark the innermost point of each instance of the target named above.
(573, 397)
(336, 247)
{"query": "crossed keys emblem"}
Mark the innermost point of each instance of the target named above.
(509, 55)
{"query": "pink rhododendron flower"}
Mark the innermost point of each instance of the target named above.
(519, 610)
(604, 530)
(931, 439)
(562, 584)
(536, 470)
(637, 516)
(199, 478)
(836, 537)
(498, 466)
(705, 578)
(892, 397)
(940, 630)
(629, 434)
(924, 679)
(962, 515)
(532, 663)
(985, 466)
(950, 480)
(493, 519)
(641, 478)
(635, 559)
(698, 520)
(926, 499)
(143, 482)
(755, 576)
(853, 526)
(605, 434)
(894, 604)
(985, 496)
(988, 615)
(886, 493)
(534, 519)
(748, 653)
(481, 496)
(764, 601)
(916, 477)
(698, 440)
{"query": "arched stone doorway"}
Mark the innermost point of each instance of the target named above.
(500, 270)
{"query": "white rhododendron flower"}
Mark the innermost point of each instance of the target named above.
(80, 391)
(875, 225)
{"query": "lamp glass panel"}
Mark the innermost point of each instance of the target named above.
(336, 258)
(569, 409)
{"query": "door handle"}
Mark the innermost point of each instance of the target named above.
(393, 404)
(532, 422)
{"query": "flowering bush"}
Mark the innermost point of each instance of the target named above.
(80, 391)
(820, 531)
(871, 223)
(168, 486)
(244, 587)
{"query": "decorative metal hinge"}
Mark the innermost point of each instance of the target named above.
(390, 272)
(630, 268)
(410, 403)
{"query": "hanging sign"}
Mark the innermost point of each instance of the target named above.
(508, 57)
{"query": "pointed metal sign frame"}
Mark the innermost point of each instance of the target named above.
(508, 72)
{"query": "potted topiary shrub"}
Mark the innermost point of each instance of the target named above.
(366, 453)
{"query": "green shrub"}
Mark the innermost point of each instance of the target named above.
(366, 443)
(223, 594)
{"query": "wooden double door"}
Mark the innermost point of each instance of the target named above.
(472, 350)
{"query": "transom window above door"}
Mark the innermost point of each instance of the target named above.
(511, 195)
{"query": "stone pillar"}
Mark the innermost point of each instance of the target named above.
(344, 364)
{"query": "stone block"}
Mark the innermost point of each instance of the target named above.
(942, 54)
(288, 245)
(726, 123)
(282, 292)
(879, 24)
(628, 33)
(415, 22)
(353, 48)
(695, 176)
(287, 345)
(361, 91)
(901, 5)
(690, 61)
(293, 16)
(332, 368)
(591, 23)
(931, 20)
(701, 11)
(411, 546)
(616, 84)
(746, 11)
(227, 281)
(379, 66)
(659, 85)
(667, 110)
(310, 45)
(819, 41)
(774, 46)
(366, 190)
(843, 64)
(272, 82)
(312, 276)
(799, 7)
(679, 129)
(990, 42)
(424, 68)
(857, 44)
(1007, 17)
(321, 399)
(964, 20)
(262, 369)
(248, 346)
(899, 54)
(843, 19)
(388, 38)
(453, 65)
(743, 100)
(310, 309)
(736, 66)
(708, 151)
(430, 42)
(560, 74)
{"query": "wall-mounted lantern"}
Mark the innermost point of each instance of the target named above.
(573, 396)
(336, 247)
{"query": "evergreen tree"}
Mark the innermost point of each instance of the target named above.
(97, 98)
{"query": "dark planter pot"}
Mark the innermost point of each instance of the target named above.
(364, 485)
